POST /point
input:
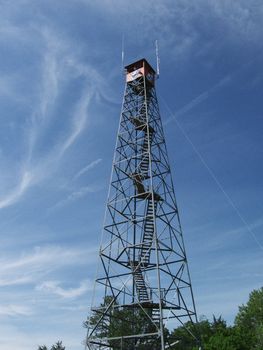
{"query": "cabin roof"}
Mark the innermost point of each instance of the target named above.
(131, 66)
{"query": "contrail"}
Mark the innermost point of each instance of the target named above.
(206, 94)
(87, 168)
(214, 177)
(199, 99)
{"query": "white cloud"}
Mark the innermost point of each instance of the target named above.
(13, 337)
(75, 195)
(182, 26)
(228, 238)
(15, 310)
(51, 75)
(80, 193)
(90, 166)
(8, 89)
(61, 63)
(31, 267)
(198, 99)
(59, 68)
(79, 121)
(54, 287)
(18, 192)
(223, 299)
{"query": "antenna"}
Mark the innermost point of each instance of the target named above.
(122, 53)
(157, 59)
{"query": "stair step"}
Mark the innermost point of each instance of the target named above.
(148, 233)
(140, 283)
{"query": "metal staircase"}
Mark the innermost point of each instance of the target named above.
(143, 168)
(140, 284)
(144, 165)
(148, 226)
(156, 315)
(148, 232)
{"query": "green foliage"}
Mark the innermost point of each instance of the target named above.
(184, 336)
(57, 346)
(220, 341)
(122, 321)
(246, 334)
(249, 322)
(259, 337)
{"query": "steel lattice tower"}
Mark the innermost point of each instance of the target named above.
(143, 280)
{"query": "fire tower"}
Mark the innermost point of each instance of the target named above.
(143, 283)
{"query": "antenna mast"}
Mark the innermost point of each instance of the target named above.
(122, 53)
(157, 59)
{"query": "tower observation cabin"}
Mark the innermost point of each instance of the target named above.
(139, 69)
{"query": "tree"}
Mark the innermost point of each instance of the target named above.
(215, 335)
(123, 320)
(220, 341)
(249, 322)
(246, 334)
(183, 336)
(58, 346)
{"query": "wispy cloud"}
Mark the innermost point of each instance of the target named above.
(80, 193)
(75, 195)
(207, 93)
(90, 166)
(222, 302)
(18, 192)
(54, 287)
(227, 238)
(15, 310)
(78, 121)
(51, 75)
(31, 267)
(12, 335)
(199, 99)
(230, 21)
(8, 89)
(59, 68)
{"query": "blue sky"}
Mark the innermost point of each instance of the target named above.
(60, 92)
